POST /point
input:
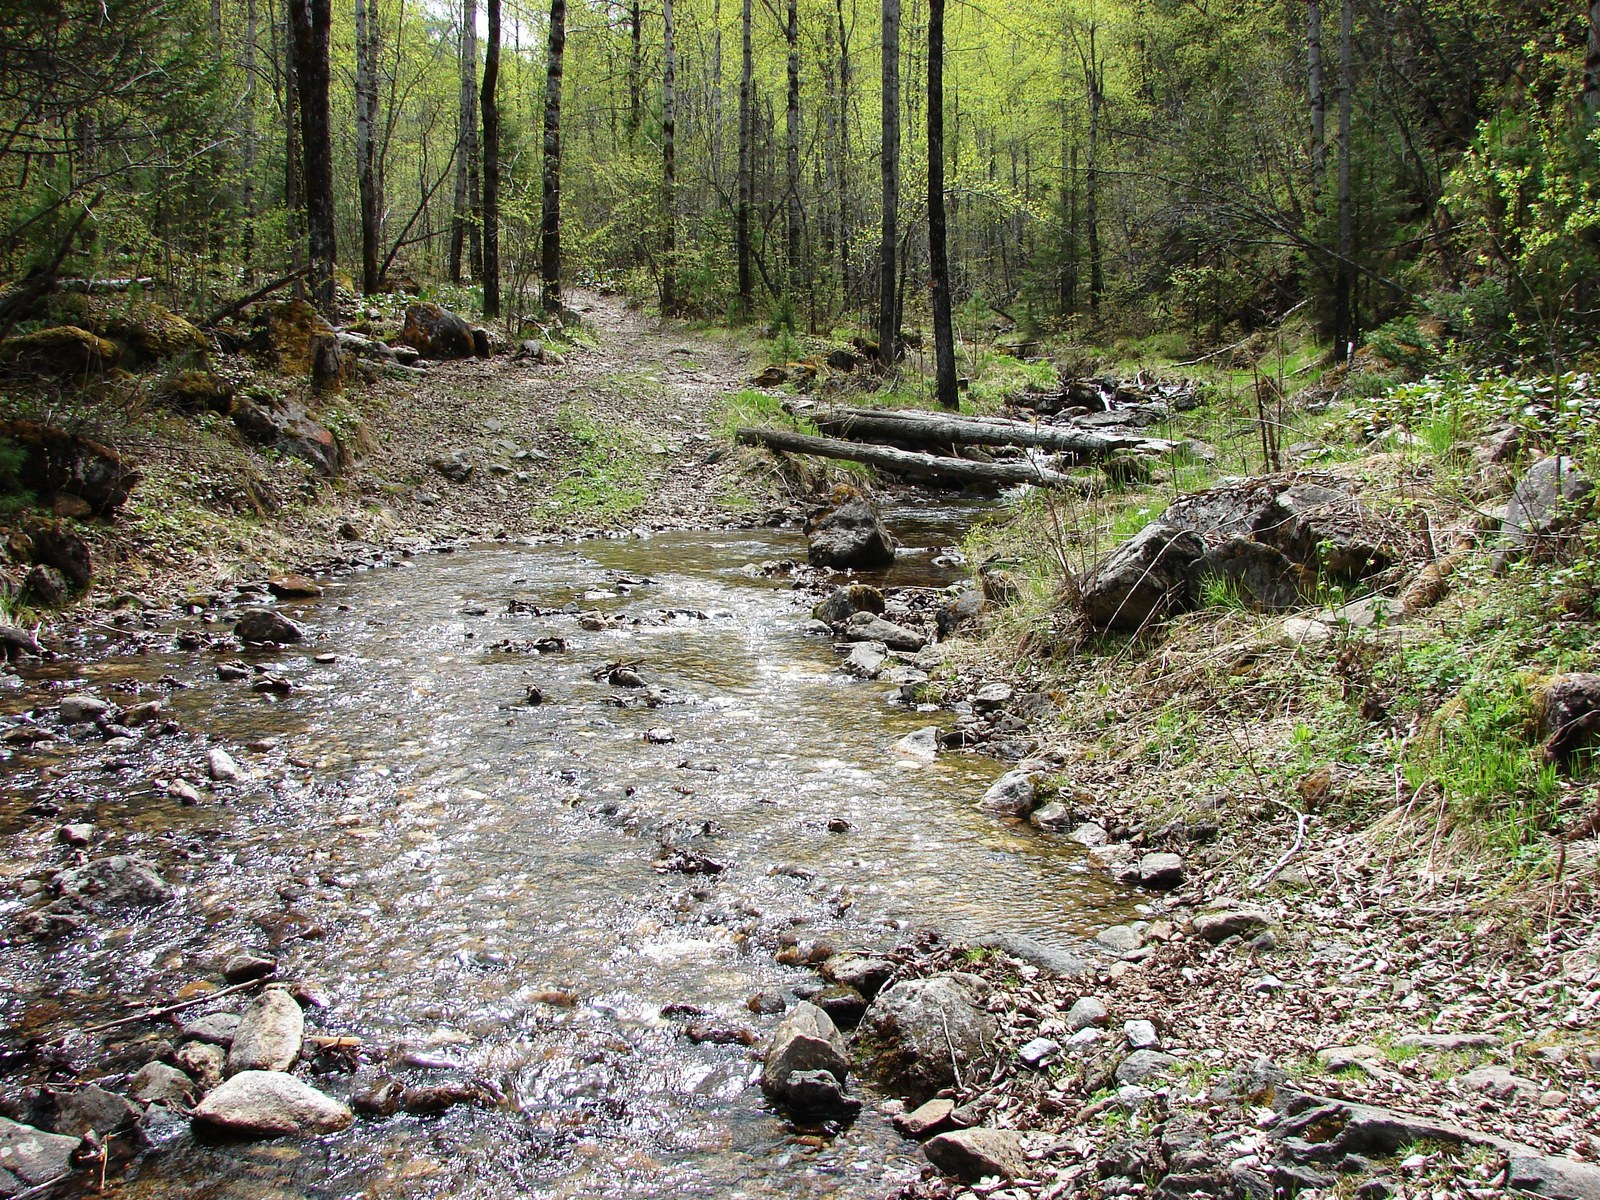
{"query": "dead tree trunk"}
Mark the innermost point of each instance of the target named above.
(368, 184)
(669, 166)
(1344, 317)
(933, 429)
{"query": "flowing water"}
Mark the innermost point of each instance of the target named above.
(453, 866)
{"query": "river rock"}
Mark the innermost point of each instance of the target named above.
(30, 1157)
(1558, 1178)
(869, 627)
(1054, 817)
(1012, 795)
(92, 1109)
(866, 660)
(1161, 870)
(842, 1003)
(865, 974)
(1221, 924)
(220, 765)
(294, 587)
(1039, 1052)
(927, 1119)
(82, 707)
(203, 1062)
(119, 881)
(266, 626)
(850, 535)
(57, 463)
(269, 1034)
(974, 1154)
(845, 602)
(912, 1030)
(271, 1104)
(1141, 1035)
(1144, 579)
(158, 1083)
(241, 968)
(921, 746)
(78, 834)
(216, 1028)
(807, 1041)
(1144, 1065)
(1548, 500)
(1089, 1012)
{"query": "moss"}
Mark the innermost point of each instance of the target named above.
(60, 352)
(196, 390)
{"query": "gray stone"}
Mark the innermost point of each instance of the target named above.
(1141, 1035)
(927, 1119)
(220, 765)
(77, 834)
(1144, 579)
(818, 1092)
(120, 881)
(1547, 502)
(1123, 939)
(1039, 1053)
(1570, 714)
(851, 535)
(1221, 924)
(864, 973)
(93, 1109)
(81, 707)
(1144, 1065)
(269, 1034)
(869, 627)
(1324, 529)
(158, 1083)
(1446, 1041)
(241, 968)
(1261, 577)
(1054, 817)
(1499, 1082)
(30, 1157)
(843, 603)
(992, 696)
(1090, 834)
(917, 1033)
(267, 626)
(215, 1028)
(866, 660)
(974, 1154)
(1558, 1178)
(1053, 959)
(271, 1104)
(806, 1041)
(1088, 1012)
(1161, 870)
(923, 745)
(1014, 794)
(203, 1062)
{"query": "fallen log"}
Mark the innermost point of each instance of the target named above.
(908, 462)
(944, 429)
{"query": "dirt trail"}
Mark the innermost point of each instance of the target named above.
(627, 423)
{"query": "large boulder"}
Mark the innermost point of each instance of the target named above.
(56, 463)
(1258, 576)
(270, 1104)
(55, 544)
(974, 1154)
(150, 333)
(31, 1158)
(267, 627)
(294, 337)
(849, 535)
(286, 425)
(1570, 713)
(806, 1044)
(60, 352)
(1325, 529)
(843, 603)
(869, 627)
(269, 1034)
(1147, 577)
(437, 332)
(195, 390)
(1553, 496)
(918, 1033)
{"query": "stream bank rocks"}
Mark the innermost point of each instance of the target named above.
(807, 1064)
(919, 1035)
(850, 534)
(271, 1104)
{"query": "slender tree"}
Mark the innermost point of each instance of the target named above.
(669, 165)
(1591, 61)
(1344, 318)
(635, 66)
(369, 183)
(888, 313)
(250, 151)
(464, 229)
(491, 166)
(742, 218)
(791, 150)
(1317, 96)
(944, 347)
(550, 220)
(311, 22)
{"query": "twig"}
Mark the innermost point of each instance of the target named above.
(1299, 840)
(950, 1044)
(153, 1014)
(227, 310)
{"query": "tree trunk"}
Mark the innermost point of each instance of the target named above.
(669, 165)
(635, 66)
(1591, 61)
(746, 197)
(1344, 317)
(294, 192)
(369, 186)
(791, 153)
(464, 232)
(550, 217)
(907, 462)
(1091, 189)
(1317, 96)
(491, 167)
(250, 151)
(944, 346)
(846, 217)
(912, 427)
(312, 21)
(888, 324)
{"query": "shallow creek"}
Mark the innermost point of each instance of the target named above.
(441, 859)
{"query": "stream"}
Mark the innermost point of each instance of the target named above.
(471, 881)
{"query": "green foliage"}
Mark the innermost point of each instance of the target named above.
(609, 479)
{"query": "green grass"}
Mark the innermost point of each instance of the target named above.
(611, 477)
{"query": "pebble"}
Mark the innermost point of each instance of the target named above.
(1141, 1035)
(221, 766)
(76, 835)
(1088, 1012)
(1039, 1053)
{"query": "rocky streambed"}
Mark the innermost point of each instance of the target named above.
(496, 876)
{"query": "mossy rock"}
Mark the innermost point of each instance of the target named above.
(291, 335)
(60, 352)
(196, 390)
(153, 334)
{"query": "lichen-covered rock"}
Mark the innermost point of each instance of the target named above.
(55, 462)
(437, 332)
(288, 426)
(292, 335)
(917, 1033)
(60, 352)
(195, 390)
(1145, 578)
(1259, 576)
(31, 1158)
(151, 333)
(1325, 529)
(1552, 497)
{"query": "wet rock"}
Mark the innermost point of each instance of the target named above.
(161, 1126)
(843, 1004)
(1261, 577)
(1547, 503)
(866, 660)
(82, 707)
(378, 1098)
(203, 1062)
(820, 1093)
(241, 968)
(56, 462)
(926, 1120)
(869, 627)
(1090, 834)
(267, 626)
(437, 333)
(850, 535)
(270, 1104)
(1570, 713)
(1014, 794)
(92, 1110)
(428, 1099)
(218, 1029)
(766, 1003)
(1144, 1065)
(974, 1154)
(294, 587)
(864, 973)
(921, 746)
(912, 1031)
(1145, 578)
(46, 587)
(963, 608)
(221, 766)
(269, 1034)
(30, 1158)
(1161, 870)
(1221, 924)
(806, 1041)
(79, 834)
(1054, 817)
(843, 603)
(159, 1083)
(119, 881)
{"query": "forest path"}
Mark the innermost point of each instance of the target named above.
(618, 434)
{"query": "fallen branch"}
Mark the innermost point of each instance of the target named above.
(906, 462)
(227, 310)
(166, 1010)
(1299, 840)
(944, 429)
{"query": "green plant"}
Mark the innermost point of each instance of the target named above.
(610, 476)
